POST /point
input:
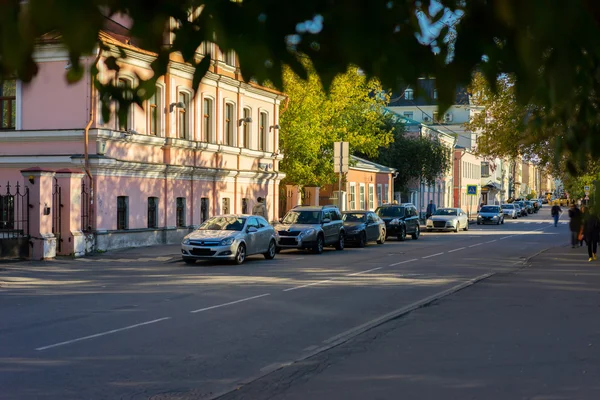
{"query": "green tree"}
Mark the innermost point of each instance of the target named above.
(555, 65)
(414, 157)
(314, 119)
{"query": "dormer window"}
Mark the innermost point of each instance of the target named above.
(409, 94)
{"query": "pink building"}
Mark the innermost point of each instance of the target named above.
(185, 157)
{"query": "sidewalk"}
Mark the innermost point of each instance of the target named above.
(529, 334)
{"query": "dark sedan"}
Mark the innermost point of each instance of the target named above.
(362, 227)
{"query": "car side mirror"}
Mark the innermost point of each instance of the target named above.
(252, 229)
(280, 220)
(326, 220)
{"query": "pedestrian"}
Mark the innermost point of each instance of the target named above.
(575, 224)
(591, 233)
(260, 208)
(430, 209)
(556, 211)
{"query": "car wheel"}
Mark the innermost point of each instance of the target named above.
(382, 238)
(341, 242)
(417, 233)
(402, 234)
(318, 246)
(189, 261)
(272, 250)
(457, 228)
(240, 255)
(502, 221)
(467, 226)
(363, 240)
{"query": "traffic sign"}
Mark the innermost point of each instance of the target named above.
(586, 188)
(471, 190)
(340, 157)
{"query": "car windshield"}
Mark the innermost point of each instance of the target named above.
(223, 224)
(302, 217)
(489, 209)
(355, 217)
(508, 206)
(390, 212)
(446, 211)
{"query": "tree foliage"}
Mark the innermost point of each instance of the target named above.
(555, 65)
(414, 157)
(314, 119)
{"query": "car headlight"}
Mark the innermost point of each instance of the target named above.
(186, 241)
(307, 232)
(495, 217)
(395, 221)
(227, 242)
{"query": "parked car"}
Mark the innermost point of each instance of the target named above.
(523, 207)
(230, 237)
(311, 227)
(510, 210)
(400, 220)
(535, 205)
(362, 227)
(529, 206)
(448, 219)
(490, 214)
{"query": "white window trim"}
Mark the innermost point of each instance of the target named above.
(371, 201)
(267, 131)
(249, 127)
(379, 199)
(19, 105)
(210, 137)
(125, 75)
(361, 200)
(234, 122)
(160, 106)
(352, 192)
(189, 113)
(387, 193)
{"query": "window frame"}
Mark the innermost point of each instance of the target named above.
(155, 108)
(408, 114)
(208, 129)
(187, 113)
(129, 126)
(379, 199)
(229, 124)
(11, 108)
(409, 94)
(225, 205)
(180, 212)
(387, 192)
(361, 198)
(152, 212)
(352, 199)
(263, 122)
(122, 213)
(246, 129)
(371, 197)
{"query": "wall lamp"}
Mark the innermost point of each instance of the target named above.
(274, 127)
(246, 120)
(274, 154)
(178, 105)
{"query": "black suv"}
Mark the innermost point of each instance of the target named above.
(400, 220)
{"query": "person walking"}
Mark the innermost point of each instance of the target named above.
(575, 224)
(260, 208)
(556, 211)
(430, 209)
(591, 233)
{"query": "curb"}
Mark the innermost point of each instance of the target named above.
(344, 337)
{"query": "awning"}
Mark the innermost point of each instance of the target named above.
(493, 186)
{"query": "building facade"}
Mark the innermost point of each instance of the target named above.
(467, 171)
(189, 154)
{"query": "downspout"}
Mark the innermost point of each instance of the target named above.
(166, 155)
(239, 156)
(86, 132)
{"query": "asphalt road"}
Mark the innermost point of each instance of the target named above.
(147, 327)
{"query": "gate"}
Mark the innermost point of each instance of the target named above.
(14, 221)
(57, 214)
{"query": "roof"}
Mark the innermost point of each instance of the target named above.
(411, 122)
(424, 95)
(361, 163)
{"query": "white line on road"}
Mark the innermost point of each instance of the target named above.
(298, 258)
(364, 272)
(230, 303)
(505, 237)
(476, 244)
(460, 248)
(307, 285)
(403, 262)
(433, 255)
(102, 334)
(491, 241)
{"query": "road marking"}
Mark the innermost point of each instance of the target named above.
(307, 285)
(433, 255)
(491, 241)
(298, 258)
(364, 272)
(230, 303)
(505, 237)
(460, 248)
(475, 245)
(311, 348)
(403, 262)
(102, 334)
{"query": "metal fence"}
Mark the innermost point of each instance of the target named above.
(14, 211)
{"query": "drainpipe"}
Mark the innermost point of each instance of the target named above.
(166, 156)
(86, 132)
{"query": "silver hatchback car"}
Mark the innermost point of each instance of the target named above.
(230, 237)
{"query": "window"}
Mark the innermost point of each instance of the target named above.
(361, 196)
(229, 131)
(8, 104)
(386, 195)
(124, 124)
(180, 213)
(409, 94)
(262, 132)
(435, 94)
(244, 206)
(152, 212)
(485, 169)
(122, 212)
(225, 202)
(335, 215)
(326, 214)
(229, 57)
(379, 193)
(208, 118)
(246, 128)
(352, 196)
(408, 114)
(153, 112)
(253, 223)
(183, 124)
(204, 208)
(371, 197)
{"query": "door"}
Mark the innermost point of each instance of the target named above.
(264, 235)
(252, 237)
(410, 219)
(372, 227)
(464, 220)
(327, 226)
(204, 207)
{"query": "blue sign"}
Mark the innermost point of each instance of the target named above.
(472, 190)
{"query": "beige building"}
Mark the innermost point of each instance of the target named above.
(467, 171)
